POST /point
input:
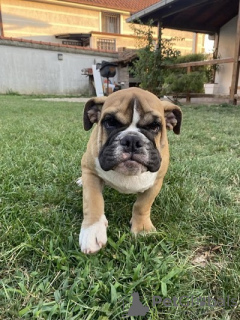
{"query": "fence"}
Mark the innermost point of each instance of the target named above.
(189, 65)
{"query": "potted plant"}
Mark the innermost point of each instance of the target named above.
(211, 87)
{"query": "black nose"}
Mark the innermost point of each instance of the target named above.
(131, 143)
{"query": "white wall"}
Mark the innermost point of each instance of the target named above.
(226, 50)
(28, 70)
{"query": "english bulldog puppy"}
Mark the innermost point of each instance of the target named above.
(128, 151)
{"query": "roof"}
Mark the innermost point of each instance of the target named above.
(19, 42)
(127, 56)
(125, 5)
(205, 16)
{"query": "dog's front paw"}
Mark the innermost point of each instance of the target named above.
(94, 237)
(79, 182)
(141, 226)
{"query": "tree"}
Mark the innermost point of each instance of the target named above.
(152, 57)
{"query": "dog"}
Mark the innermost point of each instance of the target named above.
(128, 151)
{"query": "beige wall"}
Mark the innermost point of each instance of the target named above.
(39, 21)
(226, 50)
(186, 44)
(42, 21)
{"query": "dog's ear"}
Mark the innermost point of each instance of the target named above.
(92, 111)
(173, 116)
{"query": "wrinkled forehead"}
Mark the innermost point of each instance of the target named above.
(128, 106)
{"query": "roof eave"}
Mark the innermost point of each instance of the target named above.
(149, 10)
(152, 13)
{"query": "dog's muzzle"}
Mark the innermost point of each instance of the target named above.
(130, 153)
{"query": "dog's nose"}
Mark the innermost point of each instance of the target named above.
(131, 143)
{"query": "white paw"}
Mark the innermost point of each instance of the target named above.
(94, 237)
(79, 182)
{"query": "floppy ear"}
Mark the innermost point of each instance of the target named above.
(92, 111)
(173, 116)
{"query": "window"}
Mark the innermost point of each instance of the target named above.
(110, 22)
(106, 44)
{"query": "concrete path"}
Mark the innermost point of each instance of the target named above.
(65, 99)
(207, 101)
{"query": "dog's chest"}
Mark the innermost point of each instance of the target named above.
(127, 184)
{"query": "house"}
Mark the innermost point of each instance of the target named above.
(98, 24)
(218, 18)
(45, 44)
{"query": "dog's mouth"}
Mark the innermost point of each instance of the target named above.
(131, 165)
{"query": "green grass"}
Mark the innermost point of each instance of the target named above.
(43, 274)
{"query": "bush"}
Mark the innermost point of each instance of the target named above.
(190, 57)
(179, 81)
(149, 68)
(184, 83)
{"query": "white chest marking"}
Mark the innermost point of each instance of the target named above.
(127, 184)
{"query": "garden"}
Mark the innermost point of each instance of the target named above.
(194, 254)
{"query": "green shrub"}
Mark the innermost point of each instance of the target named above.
(179, 81)
(149, 68)
(191, 58)
(184, 83)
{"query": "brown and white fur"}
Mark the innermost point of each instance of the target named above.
(128, 150)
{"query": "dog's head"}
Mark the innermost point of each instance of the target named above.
(132, 126)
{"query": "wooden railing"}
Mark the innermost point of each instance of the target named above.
(202, 63)
(189, 66)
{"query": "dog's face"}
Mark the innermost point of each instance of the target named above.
(130, 147)
(132, 127)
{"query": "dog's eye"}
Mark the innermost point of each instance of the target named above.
(111, 123)
(155, 127)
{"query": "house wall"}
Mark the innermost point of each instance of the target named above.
(30, 68)
(226, 50)
(186, 42)
(41, 21)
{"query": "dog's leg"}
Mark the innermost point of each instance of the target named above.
(93, 234)
(141, 221)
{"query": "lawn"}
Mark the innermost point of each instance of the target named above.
(188, 269)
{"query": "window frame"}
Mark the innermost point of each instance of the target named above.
(106, 22)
